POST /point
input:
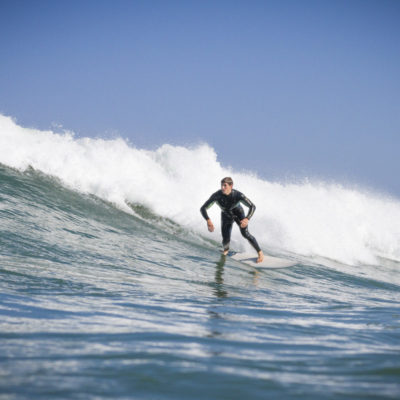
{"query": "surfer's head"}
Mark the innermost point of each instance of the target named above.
(226, 185)
(227, 180)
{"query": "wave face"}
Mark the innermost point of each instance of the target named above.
(312, 219)
(98, 303)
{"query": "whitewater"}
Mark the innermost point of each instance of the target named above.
(112, 287)
(309, 218)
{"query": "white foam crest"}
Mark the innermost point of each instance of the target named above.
(312, 219)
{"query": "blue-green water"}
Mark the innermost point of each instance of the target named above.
(97, 303)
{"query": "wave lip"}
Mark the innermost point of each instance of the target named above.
(309, 218)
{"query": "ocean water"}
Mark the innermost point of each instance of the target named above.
(111, 286)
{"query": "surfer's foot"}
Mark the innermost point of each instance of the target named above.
(260, 257)
(225, 252)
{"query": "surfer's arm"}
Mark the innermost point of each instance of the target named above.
(203, 211)
(249, 204)
(206, 206)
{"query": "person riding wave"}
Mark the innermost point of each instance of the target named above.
(229, 201)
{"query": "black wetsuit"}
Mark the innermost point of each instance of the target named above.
(231, 211)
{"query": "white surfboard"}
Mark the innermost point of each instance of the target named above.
(268, 262)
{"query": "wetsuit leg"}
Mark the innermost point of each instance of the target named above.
(238, 216)
(226, 229)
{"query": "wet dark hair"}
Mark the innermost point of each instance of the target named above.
(227, 180)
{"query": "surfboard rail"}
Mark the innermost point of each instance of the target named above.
(269, 262)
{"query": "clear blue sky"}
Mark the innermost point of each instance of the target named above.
(282, 88)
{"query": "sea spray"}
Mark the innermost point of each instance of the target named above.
(309, 218)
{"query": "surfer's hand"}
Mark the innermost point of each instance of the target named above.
(210, 225)
(244, 222)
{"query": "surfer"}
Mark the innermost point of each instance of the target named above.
(229, 201)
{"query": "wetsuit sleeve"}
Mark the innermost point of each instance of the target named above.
(249, 204)
(207, 205)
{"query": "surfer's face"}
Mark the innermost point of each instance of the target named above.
(226, 188)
